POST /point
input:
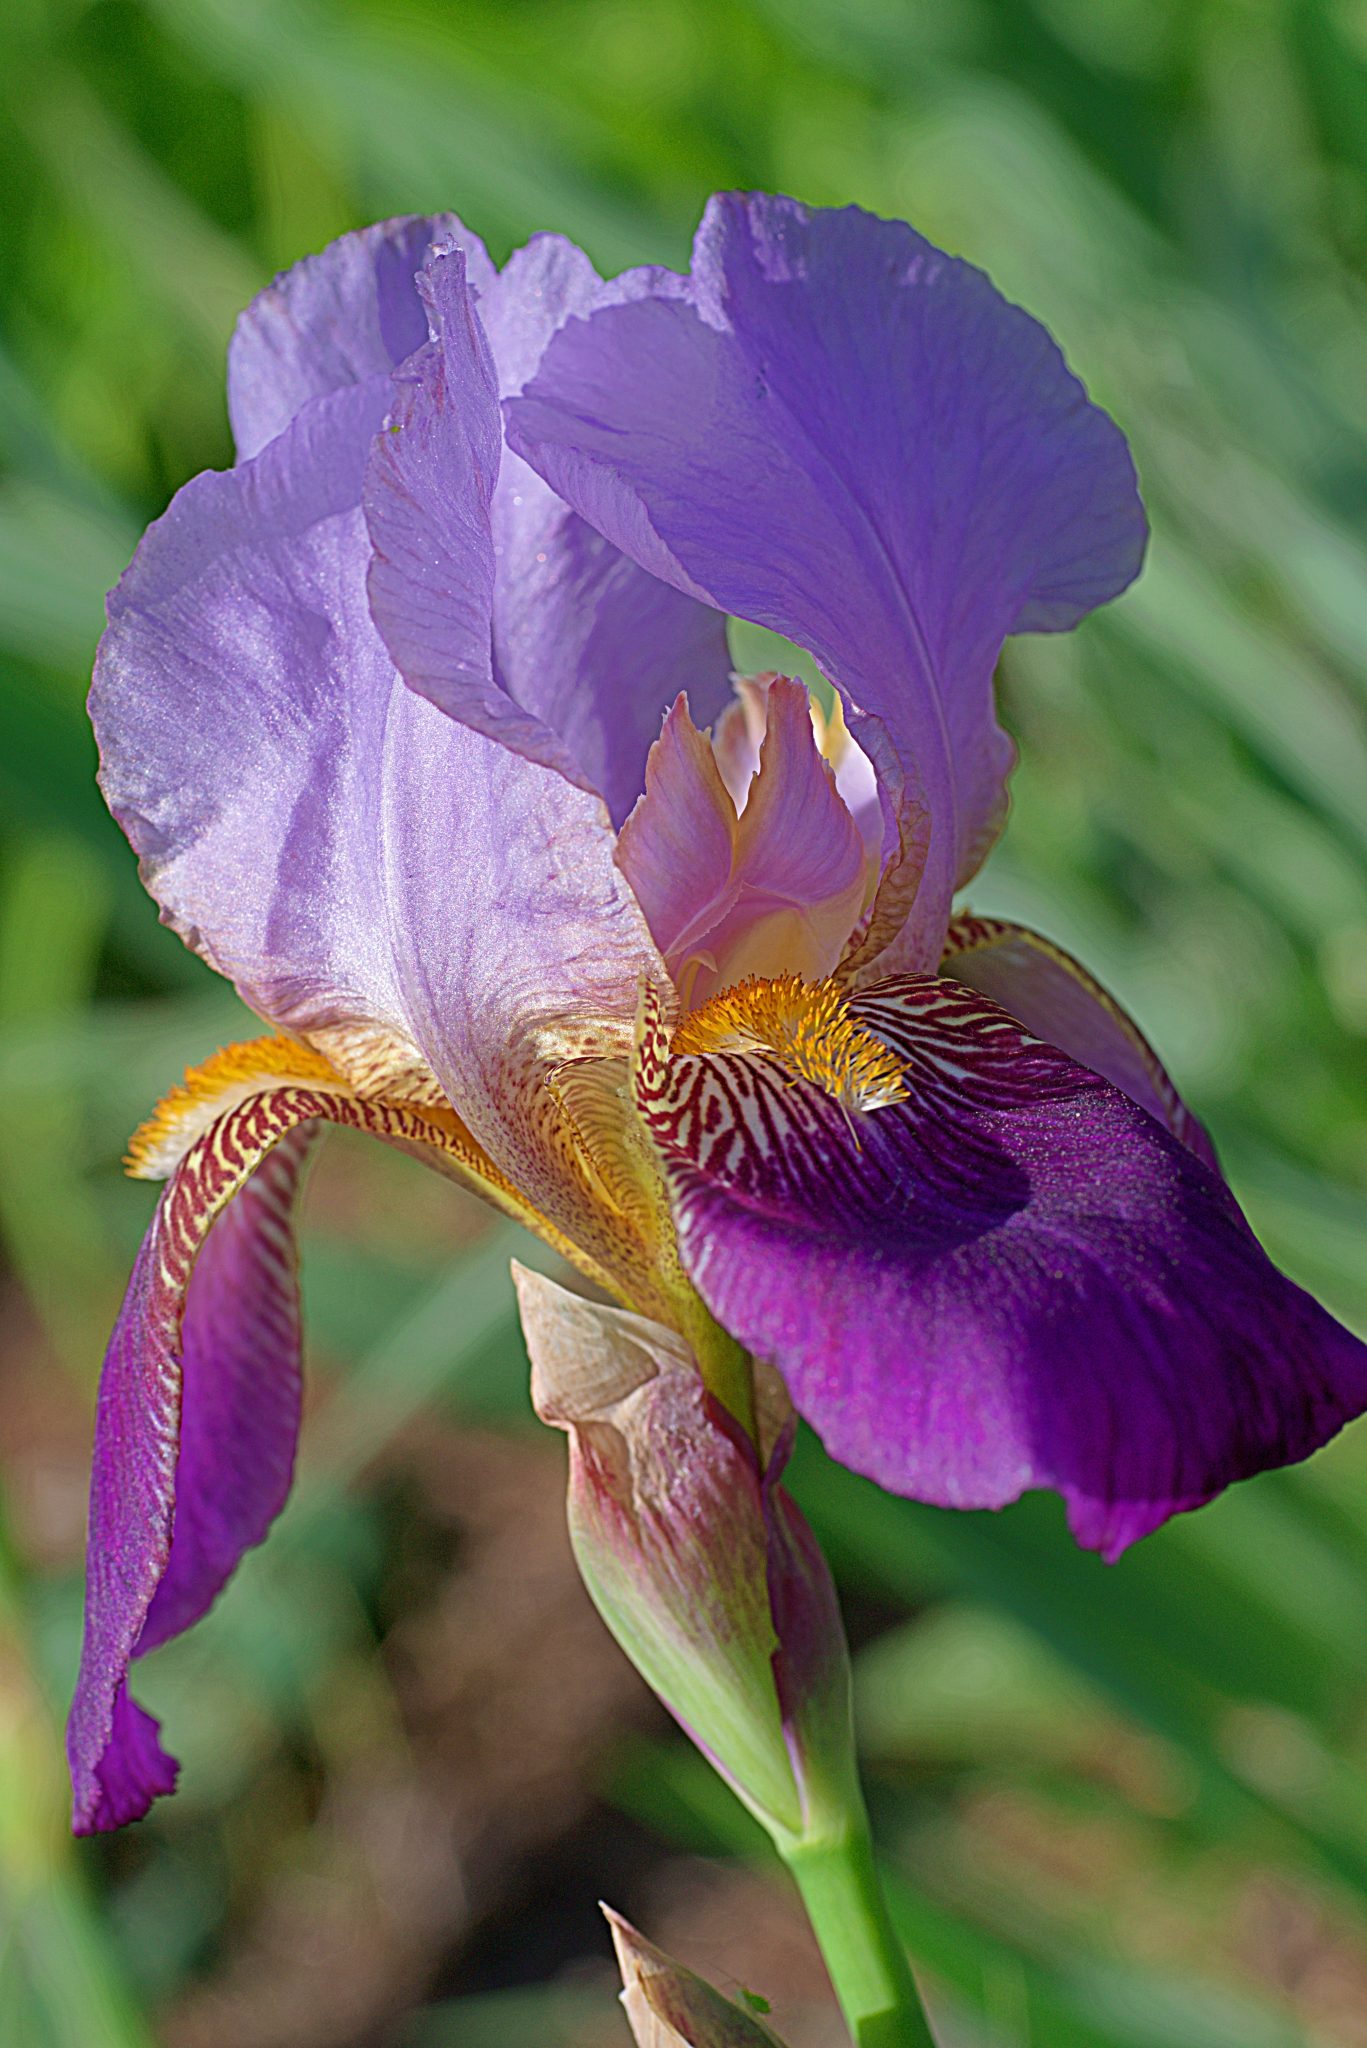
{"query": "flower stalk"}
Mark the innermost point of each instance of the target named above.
(837, 1879)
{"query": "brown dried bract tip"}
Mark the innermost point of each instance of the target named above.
(669, 2007)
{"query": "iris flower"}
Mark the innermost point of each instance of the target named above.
(420, 720)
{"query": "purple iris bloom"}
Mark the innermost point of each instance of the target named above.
(393, 713)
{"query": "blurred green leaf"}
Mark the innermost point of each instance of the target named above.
(53, 908)
(521, 2019)
(427, 130)
(57, 558)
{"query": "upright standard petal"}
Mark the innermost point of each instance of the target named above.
(1006, 1276)
(241, 701)
(847, 436)
(521, 949)
(1056, 999)
(345, 316)
(586, 649)
(432, 910)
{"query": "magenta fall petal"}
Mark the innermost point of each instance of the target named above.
(1056, 999)
(194, 1451)
(1013, 1279)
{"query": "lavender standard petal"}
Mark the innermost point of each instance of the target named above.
(241, 700)
(355, 861)
(587, 649)
(342, 317)
(853, 439)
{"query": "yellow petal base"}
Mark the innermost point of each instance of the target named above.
(806, 1027)
(276, 1066)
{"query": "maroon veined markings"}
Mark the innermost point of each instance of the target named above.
(742, 1118)
(959, 1043)
(969, 934)
(226, 1156)
(739, 1116)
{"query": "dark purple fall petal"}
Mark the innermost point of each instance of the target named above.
(194, 1445)
(852, 438)
(199, 1396)
(1056, 999)
(132, 1771)
(241, 1392)
(1015, 1279)
(587, 649)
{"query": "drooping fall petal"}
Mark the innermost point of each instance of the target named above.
(1010, 1277)
(845, 435)
(199, 1397)
(149, 1571)
(240, 1393)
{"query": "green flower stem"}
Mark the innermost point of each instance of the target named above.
(868, 1965)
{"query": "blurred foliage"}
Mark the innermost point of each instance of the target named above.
(1121, 1808)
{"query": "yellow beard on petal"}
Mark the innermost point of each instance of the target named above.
(806, 1027)
(276, 1071)
(208, 1090)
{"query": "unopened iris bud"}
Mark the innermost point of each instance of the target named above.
(671, 2008)
(697, 1559)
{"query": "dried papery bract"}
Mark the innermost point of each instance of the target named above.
(697, 1559)
(669, 2007)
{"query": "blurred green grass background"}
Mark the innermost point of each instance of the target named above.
(1120, 1809)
